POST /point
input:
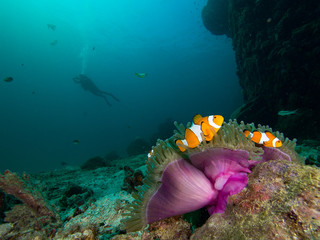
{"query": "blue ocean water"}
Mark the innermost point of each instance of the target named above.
(43, 111)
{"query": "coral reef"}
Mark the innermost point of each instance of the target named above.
(86, 232)
(277, 48)
(163, 230)
(94, 163)
(281, 201)
(310, 149)
(7, 202)
(132, 180)
(11, 183)
(90, 203)
(75, 196)
(2, 205)
(281, 191)
(35, 215)
(102, 218)
(98, 162)
(204, 176)
(112, 155)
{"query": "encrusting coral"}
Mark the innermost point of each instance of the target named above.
(35, 213)
(10, 183)
(177, 183)
(281, 201)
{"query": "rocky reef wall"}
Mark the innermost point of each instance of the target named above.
(277, 49)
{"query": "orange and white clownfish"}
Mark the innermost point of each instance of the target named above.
(150, 154)
(266, 138)
(200, 125)
(207, 123)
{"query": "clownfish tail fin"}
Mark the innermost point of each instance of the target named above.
(246, 132)
(180, 145)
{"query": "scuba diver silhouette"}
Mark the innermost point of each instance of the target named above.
(87, 84)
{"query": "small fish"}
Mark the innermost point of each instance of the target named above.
(76, 142)
(51, 26)
(207, 126)
(22, 64)
(269, 20)
(150, 154)
(141, 75)
(53, 43)
(8, 79)
(286, 113)
(266, 138)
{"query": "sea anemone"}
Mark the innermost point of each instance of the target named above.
(177, 183)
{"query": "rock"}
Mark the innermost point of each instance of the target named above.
(281, 201)
(5, 228)
(215, 17)
(277, 47)
(166, 229)
(94, 163)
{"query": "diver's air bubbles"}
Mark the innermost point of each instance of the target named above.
(84, 57)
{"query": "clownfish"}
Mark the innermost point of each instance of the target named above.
(266, 138)
(150, 153)
(207, 126)
(207, 123)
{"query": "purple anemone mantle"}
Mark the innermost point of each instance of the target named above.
(207, 180)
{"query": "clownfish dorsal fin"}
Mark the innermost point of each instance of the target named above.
(257, 133)
(268, 133)
(197, 119)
